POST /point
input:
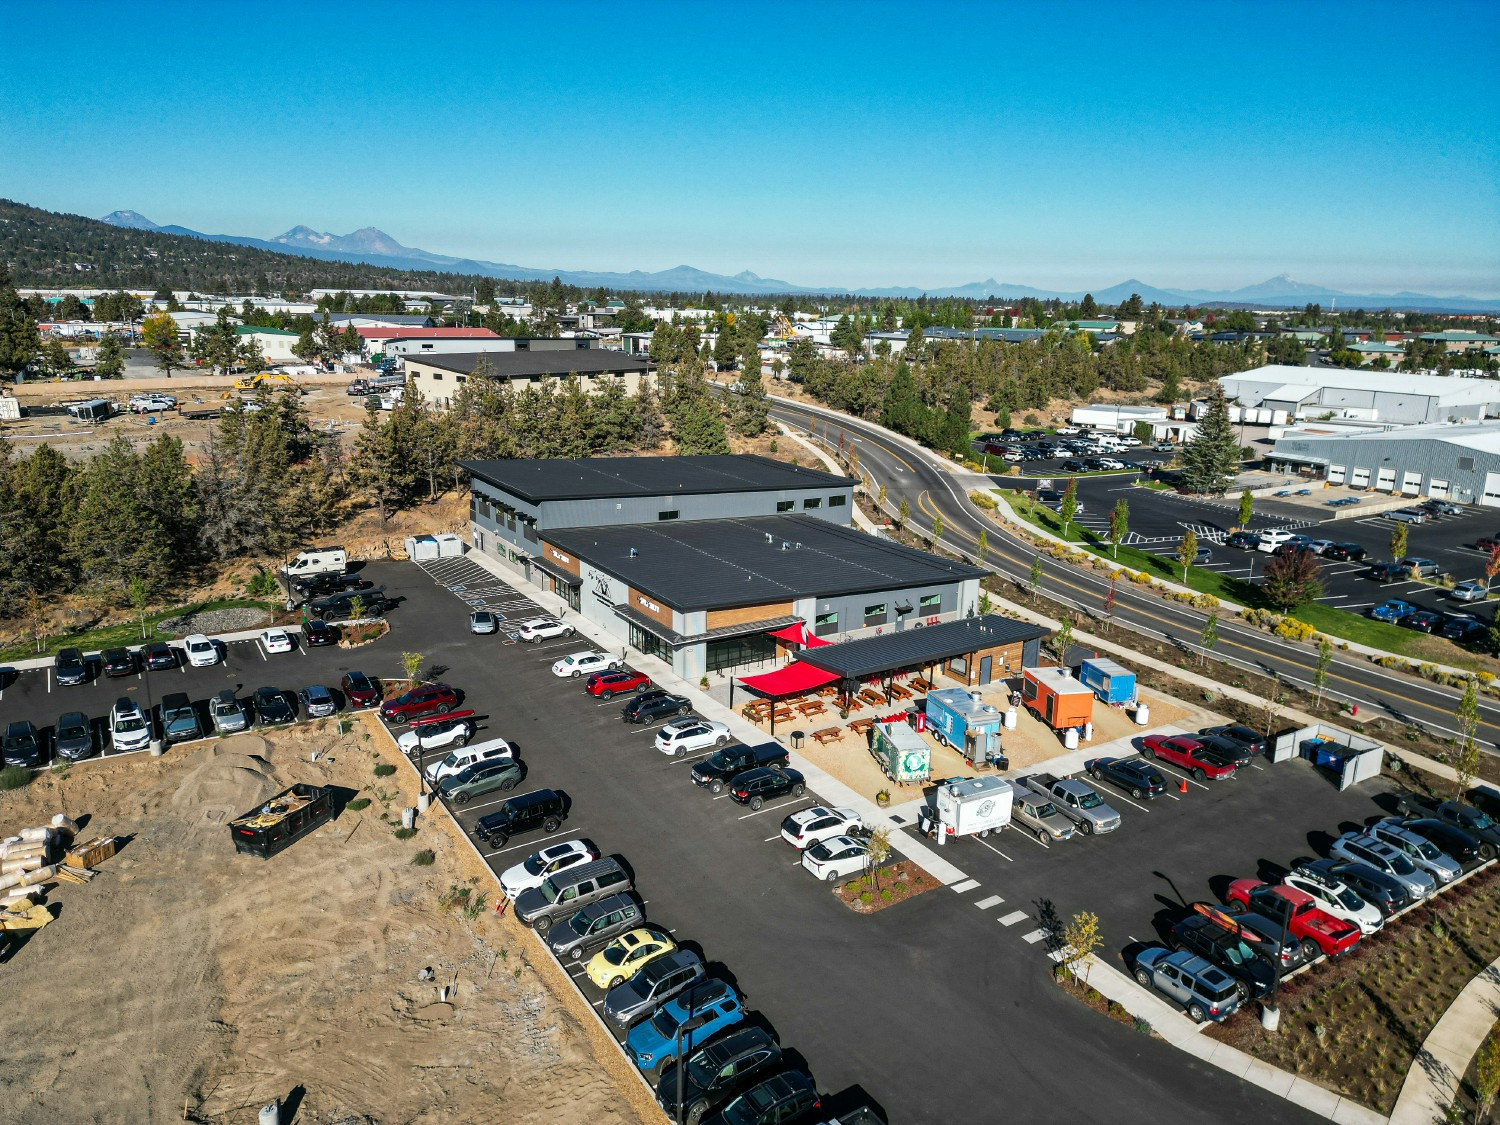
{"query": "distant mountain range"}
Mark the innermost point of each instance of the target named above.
(374, 247)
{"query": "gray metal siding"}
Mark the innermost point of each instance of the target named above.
(1434, 460)
(851, 607)
(719, 505)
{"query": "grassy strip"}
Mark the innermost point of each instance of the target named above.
(127, 632)
(1333, 622)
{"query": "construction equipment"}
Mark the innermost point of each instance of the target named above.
(782, 328)
(265, 379)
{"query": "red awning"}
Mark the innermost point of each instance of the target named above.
(794, 679)
(797, 633)
(814, 641)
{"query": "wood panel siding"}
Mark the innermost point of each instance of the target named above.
(560, 558)
(643, 603)
(721, 617)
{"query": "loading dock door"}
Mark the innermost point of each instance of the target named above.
(1385, 479)
(1437, 489)
(1336, 474)
(1411, 484)
(1361, 477)
(1491, 498)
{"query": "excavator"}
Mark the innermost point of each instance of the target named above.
(265, 379)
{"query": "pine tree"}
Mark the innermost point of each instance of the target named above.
(1211, 459)
(159, 333)
(109, 361)
(751, 409)
(19, 340)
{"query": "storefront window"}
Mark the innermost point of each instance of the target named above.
(826, 623)
(649, 644)
(931, 603)
(731, 652)
(877, 614)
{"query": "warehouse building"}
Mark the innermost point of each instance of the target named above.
(711, 594)
(1363, 394)
(540, 363)
(1447, 462)
(513, 504)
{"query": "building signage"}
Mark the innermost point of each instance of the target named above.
(601, 590)
(558, 555)
(648, 604)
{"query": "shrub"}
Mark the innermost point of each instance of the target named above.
(384, 769)
(885, 893)
(900, 888)
(404, 833)
(1294, 630)
(358, 803)
(14, 777)
(1144, 1026)
(866, 898)
(423, 858)
(984, 500)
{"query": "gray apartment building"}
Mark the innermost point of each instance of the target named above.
(708, 594)
(513, 504)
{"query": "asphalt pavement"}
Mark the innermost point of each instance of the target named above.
(908, 474)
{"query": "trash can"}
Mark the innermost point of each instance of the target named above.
(796, 738)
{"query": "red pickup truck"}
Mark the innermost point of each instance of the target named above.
(1188, 753)
(1308, 923)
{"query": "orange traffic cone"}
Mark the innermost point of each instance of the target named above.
(1182, 786)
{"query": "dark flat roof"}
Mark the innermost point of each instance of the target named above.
(593, 478)
(720, 564)
(914, 647)
(517, 365)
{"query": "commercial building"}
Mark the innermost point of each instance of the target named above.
(1448, 462)
(1363, 394)
(276, 344)
(537, 363)
(706, 595)
(515, 503)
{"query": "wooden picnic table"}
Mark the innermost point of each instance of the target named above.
(896, 691)
(827, 735)
(861, 726)
(873, 697)
(782, 713)
(814, 707)
(922, 685)
(828, 692)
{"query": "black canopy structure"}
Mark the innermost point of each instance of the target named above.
(919, 648)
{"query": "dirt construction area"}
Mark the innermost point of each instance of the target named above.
(186, 982)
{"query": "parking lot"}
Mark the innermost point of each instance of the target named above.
(841, 992)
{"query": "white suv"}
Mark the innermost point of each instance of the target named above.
(128, 728)
(1339, 900)
(152, 403)
(1270, 540)
(685, 736)
(539, 629)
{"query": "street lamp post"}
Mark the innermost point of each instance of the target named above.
(689, 1026)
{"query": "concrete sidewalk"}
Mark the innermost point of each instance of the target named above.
(1431, 1085)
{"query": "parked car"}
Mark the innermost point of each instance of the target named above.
(1270, 540)
(1252, 740)
(627, 955)
(1465, 630)
(1040, 815)
(319, 634)
(348, 607)
(21, 745)
(538, 629)
(1469, 592)
(452, 729)
(201, 652)
(682, 737)
(1487, 543)
(359, 690)
(483, 622)
(786, 1097)
(1201, 935)
(1395, 611)
(543, 808)
(578, 664)
(1318, 930)
(1423, 621)
(461, 758)
(1345, 552)
(1262, 934)
(128, 728)
(272, 640)
(1485, 799)
(694, 1016)
(1388, 572)
(482, 778)
(1407, 515)
(1205, 991)
(1385, 893)
(317, 702)
(806, 827)
(1073, 465)
(1422, 568)
(69, 668)
(1225, 751)
(835, 858)
(271, 707)
(594, 924)
(73, 737)
(650, 706)
(118, 662)
(1449, 839)
(1443, 507)
(1135, 776)
(227, 713)
(666, 976)
(540, 866)
(1243, 540)
(716, 771)
(607, 685)
(1337, 898)
(1188, 753)
(179, 718)
(756, 787)
(1372, 851)
(428, 699)
(1475, 822)
(569, 891)
(714, 1073)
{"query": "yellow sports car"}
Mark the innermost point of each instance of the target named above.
(622, 958)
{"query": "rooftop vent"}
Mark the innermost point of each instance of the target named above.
(634, 553)
(785, 546)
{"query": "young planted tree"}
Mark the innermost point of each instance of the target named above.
(1034, 578)
(1119, 524)
(1291, 580)
(411, 662)
(1069, 506)
(1208, 640)
(903, 513)
(1081, 939)
(1062, 640)
(159, 334)
(1320, 669)
(982, 545)
(1466, 766)
(1187, 551)
(937, 529)
(880, 498)
(1398, 542)
(1247, 507)
(1109, 599)
(879, 845)
(1491, 567)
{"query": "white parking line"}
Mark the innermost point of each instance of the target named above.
(1033, 937)
(987, 903)
(766, 809)
(1027, 836)
(996, 850)
(1013, 917)
(1178, 773)
(965, 887)
(512, 848)
(768, 839)
(1129, 802)
(260, 648)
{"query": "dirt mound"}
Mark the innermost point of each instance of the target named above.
(229, 778)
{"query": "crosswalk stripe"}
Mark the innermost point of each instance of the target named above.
(1034, 937)
(1012, 918)
(986, 903)
(964, 887)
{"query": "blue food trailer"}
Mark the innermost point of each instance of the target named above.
(971, 726)
(1111, 681)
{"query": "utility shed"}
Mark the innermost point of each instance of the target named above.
(1057, 698)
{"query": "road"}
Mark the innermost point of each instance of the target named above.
(933, 492)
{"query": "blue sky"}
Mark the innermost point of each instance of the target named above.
(1060, 145)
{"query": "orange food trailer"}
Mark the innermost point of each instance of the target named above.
(1056, 698)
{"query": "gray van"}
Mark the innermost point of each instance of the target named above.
(568, 891)
(595, 925)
